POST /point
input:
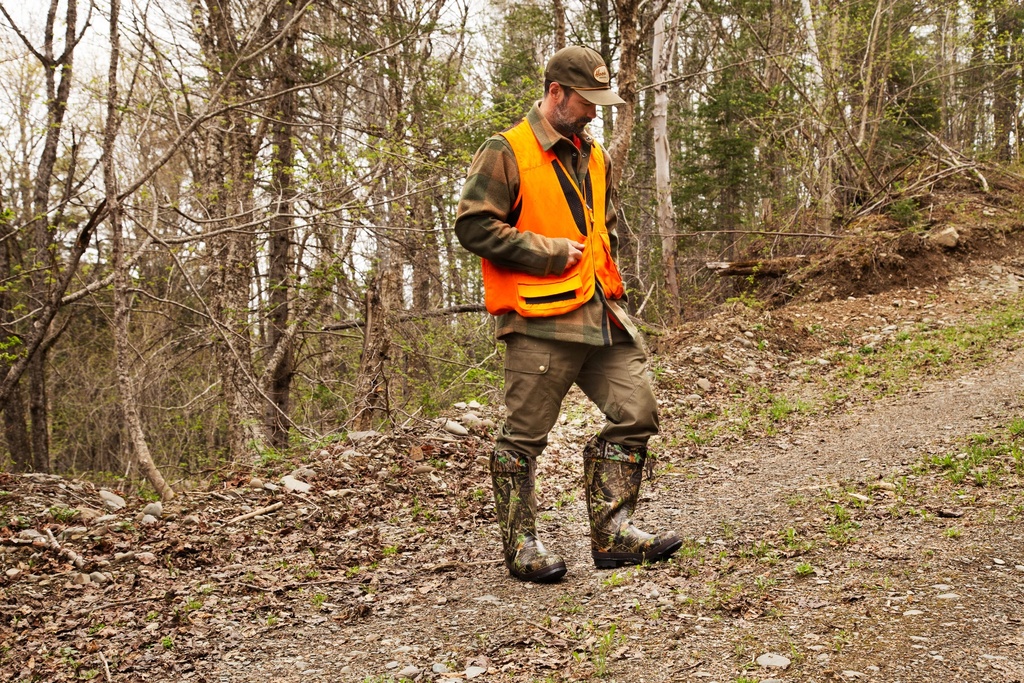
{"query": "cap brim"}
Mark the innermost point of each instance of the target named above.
(605, 97)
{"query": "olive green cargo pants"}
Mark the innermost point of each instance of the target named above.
(540, 372)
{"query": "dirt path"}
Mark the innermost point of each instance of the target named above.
(870, 610)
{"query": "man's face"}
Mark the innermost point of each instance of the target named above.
(572, 113)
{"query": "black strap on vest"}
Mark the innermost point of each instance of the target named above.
(569, 190)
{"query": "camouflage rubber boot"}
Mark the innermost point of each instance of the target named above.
(613, 475)
(513, 476)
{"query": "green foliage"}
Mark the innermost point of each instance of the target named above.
(606, 643)
(904, 211)
(983, 459)
(62, 515)
(804, 569)
(8, 349)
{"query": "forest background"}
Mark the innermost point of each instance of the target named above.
(226, 225)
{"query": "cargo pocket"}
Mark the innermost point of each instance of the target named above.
(532, 411)
(528, 362)
(541, 295)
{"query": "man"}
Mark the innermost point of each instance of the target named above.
(536, 208)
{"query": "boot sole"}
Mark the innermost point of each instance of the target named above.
(658, 554)
(548, 574)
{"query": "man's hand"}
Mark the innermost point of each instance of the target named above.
(575, 253)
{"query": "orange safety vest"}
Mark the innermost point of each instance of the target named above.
(552, 205)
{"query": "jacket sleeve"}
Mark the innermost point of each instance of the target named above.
(611, 217)
(488, 199)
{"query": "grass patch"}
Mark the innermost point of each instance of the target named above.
(984, 459)
(903, 362)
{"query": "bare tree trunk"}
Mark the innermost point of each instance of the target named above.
(823, 162)
(280, 243)
(38, 412)
(15, 423)
(774, 76)
(948, 32)
(604, 23)
(976, 81)
(372, 402)
(16, 432)
(234, 348)
(229, 177)
(426, 260)
(628, 13)
(122, 346)
(663, 49)
(867, 69)
(1007, 81)
(558, 8)
(43, 254)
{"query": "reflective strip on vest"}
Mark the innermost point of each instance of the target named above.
(551, 204)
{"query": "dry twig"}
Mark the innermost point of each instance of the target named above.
(256, 513)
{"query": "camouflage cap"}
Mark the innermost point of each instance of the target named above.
(583, 70)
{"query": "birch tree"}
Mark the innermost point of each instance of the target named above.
(663, 49)
(122, 345)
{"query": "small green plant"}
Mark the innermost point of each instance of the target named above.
(842, 527)
(603, 647)
(616, 579)
(839, 513)
(804, 569)
(842, 533)
(761, 550)
(568, 605)
(794, 543)
(167, 642)
(840, 640)
(268, 456)
(318, 600)
(904, 211)
(746, 299)
(61, 514)
(781, 408)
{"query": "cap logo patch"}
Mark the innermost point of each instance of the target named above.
(601, 74)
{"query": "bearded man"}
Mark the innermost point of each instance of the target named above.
(536, 208)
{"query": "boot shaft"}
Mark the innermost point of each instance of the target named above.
(515, 502)
(613, 476)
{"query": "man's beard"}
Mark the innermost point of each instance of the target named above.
(565, 125)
